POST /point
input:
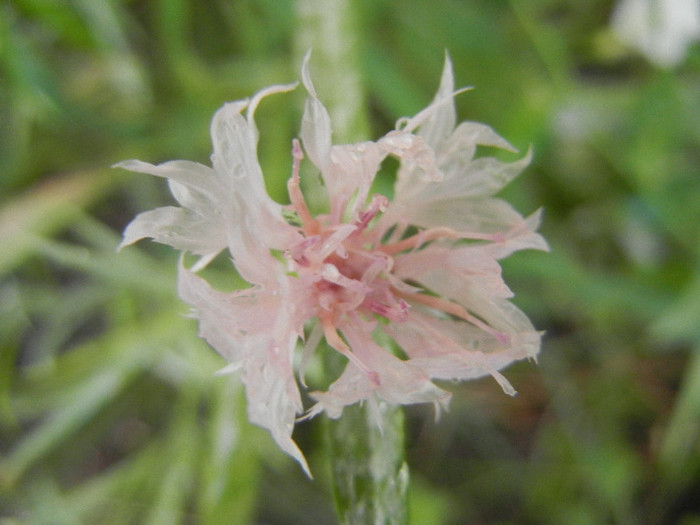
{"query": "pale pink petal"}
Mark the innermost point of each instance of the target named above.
(417, 157)
(272, 393)
(248, 329)
(193, 198)
(195, 176)
(495, 311)
(226, 320)
(466, 267)
(351, 387)
(255, 222)
(462, 143)
(196, 226)
(522, 236)
(462, 215)
(463, 178)
(439, 125)
(178, 227)
(450, 350)
(347, 170)
(315, 123)
(349, 176)
(235, 161)
(399, 382)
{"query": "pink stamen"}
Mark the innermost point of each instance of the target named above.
(335, 341)
(298, 252)
(458, 311)
(334, 242)
(397, 313)
(417, 240)
(379, 204)
(330, 273)
(296, 197)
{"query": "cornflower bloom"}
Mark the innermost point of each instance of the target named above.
(422, 269)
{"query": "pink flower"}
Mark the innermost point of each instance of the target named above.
(422, 269)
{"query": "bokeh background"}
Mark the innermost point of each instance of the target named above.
(109, 410)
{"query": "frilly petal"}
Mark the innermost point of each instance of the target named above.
(272, 394)
(235, 162)
(178, 227)
(191, 174)
(255, 223)
(440, 123)
(399, 381)
(315, 123)
(466, 267)
(238, 326)
(454, 350)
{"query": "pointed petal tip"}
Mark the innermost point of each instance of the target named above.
(306, 75)
(305, 467)
(271, 90)
(307, 57)
(288, 446)
(203, 262)
(122, 245)
(127, 164)
(228, 369)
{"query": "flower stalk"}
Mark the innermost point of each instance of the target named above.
(370, 474)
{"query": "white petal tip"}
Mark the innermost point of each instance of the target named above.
(228, 369)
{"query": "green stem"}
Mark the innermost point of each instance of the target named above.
(367, 461)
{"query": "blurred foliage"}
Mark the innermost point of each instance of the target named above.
(109, 409)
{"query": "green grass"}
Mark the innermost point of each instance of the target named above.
(109, 409)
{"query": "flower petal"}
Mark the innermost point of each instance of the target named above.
(272, 394)
(255, 223)
(447, 349)
(467, 267)
(180, 228)
(235, 162)
(226, 320)
(315, 123)
(399, 381)
(246, 329)
(191, 174)
(439, 125)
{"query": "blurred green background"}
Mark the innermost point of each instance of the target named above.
(109, 412)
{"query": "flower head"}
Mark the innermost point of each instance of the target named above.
(422, 269)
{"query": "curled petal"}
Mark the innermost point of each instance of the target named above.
(178, 227)
(447, 349)
(196, 176)
(273, 396)
(439, 123)
(238, 326)
(235, 162)
(315, 123)
(399, 381)
(466, 267)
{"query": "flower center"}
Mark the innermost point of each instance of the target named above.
(339, 261)
(346, 268)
